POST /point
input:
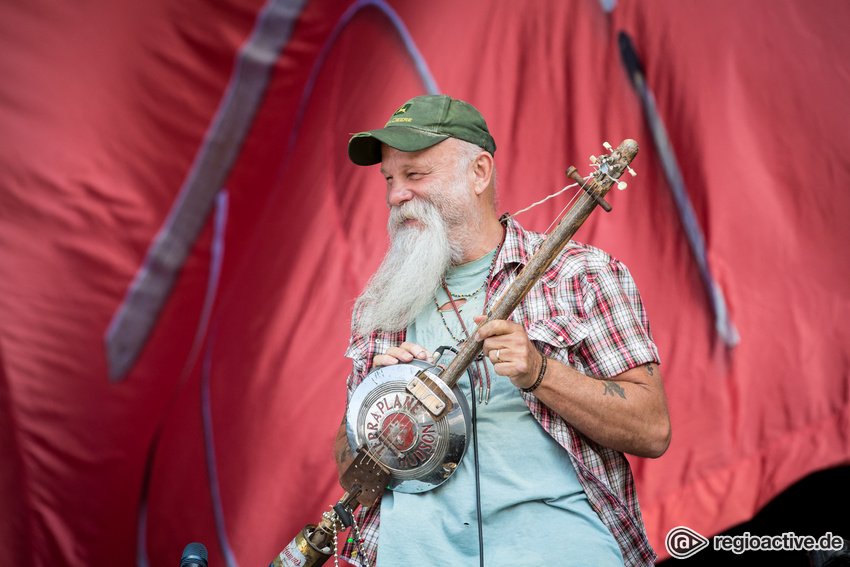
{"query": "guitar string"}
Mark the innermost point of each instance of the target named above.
(512, 274)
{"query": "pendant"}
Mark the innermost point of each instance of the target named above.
(483, 389)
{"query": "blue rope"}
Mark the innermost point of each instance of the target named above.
(722, 320)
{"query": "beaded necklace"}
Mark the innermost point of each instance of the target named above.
(446, 324)
(452, 296)
(483, 391)
(477, 291)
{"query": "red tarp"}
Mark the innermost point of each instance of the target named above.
(111, 111)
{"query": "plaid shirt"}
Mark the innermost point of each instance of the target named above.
(584, 312)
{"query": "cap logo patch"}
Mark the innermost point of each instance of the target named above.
(402, 110)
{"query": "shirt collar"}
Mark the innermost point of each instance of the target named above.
(514, 248)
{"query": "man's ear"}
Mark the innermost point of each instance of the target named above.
(482, 170)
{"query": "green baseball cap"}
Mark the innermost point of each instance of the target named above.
(420, 123)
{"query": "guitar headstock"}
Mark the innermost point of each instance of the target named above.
(610, 167)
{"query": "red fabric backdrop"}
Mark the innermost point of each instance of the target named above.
(106, 106)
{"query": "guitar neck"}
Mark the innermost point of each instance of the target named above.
(594, 193)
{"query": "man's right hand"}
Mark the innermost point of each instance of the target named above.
(405, 352)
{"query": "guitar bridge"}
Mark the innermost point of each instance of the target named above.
(428, 397)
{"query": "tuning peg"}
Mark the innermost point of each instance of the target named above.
(593, 159)
(621, 185)
(607, 146)
(631, 171)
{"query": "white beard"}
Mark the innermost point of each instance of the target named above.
(418, 258)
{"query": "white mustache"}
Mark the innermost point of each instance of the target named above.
(410, 210)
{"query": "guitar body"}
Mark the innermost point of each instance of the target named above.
(420, 451)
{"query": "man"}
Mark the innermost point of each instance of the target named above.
(575, 372)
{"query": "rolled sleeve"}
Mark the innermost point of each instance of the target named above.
(614, 315)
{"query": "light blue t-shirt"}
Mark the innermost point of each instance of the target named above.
(533, 507)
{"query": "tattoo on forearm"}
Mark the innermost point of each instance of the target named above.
(345, 454)
(613, 388)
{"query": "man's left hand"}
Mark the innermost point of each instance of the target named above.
(510, 350)
(626, 412)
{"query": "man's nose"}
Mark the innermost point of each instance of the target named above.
(398, 193)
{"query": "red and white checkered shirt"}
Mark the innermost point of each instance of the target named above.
(584, 312)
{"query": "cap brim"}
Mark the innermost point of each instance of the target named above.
(365, 148)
